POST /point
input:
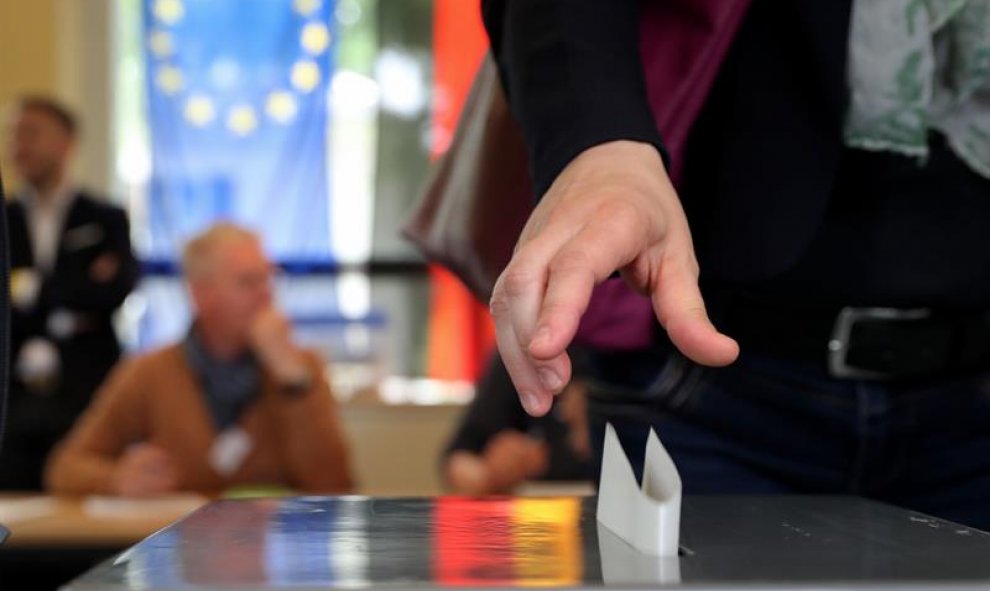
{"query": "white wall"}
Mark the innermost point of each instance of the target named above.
(84, 79)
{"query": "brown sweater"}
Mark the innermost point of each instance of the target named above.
(155, 398)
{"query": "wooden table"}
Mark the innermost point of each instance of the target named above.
(53, 540)
(43, 521)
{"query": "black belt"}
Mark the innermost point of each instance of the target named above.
(866, 343)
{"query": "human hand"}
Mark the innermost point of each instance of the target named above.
(612, 208)
(271, 340)
(104, 268)
(145, 470)
(512, 457)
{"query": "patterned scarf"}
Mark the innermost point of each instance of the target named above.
(229, 386)
(917, 66)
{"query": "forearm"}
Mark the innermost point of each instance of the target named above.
(314, 451)
(573, 76)
(102, 285)
(81, 293)
(75, 472)
(86, 460)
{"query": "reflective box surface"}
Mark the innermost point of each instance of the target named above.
(727, 542)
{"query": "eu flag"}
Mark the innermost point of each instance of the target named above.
(238, 114)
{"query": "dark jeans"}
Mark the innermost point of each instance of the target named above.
(769, 426)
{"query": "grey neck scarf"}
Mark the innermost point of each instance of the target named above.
(229, 386)
(916, 66)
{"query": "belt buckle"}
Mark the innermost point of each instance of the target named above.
(838, 345)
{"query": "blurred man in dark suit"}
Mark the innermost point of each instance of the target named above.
(71, 268)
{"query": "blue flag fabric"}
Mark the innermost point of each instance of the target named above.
(238, 113)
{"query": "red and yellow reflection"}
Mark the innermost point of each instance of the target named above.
(461, 335)
(518, 542)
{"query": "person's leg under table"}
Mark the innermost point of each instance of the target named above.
(769, 426)
(940, 447)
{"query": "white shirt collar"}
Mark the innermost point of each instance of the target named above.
(46, 223)
(62, 197)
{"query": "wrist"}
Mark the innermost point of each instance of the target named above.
(631, 146)
(285, 364)
(295, 386)
(292, 375)
(625, 154)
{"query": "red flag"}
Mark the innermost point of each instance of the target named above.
(461, 334)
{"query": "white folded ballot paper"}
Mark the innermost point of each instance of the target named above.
(649, 517)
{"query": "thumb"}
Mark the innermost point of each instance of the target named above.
(680, 308)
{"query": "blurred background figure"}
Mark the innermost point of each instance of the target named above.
(311, 121)
(497, 446)
(72, 267)
(236, 402)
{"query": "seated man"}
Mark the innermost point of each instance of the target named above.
(497, 446)
(235, 403)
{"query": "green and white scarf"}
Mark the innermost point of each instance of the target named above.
(917, 66)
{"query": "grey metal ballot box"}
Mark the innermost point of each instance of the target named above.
(727, 542)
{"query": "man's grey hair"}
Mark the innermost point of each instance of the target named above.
(199, 253)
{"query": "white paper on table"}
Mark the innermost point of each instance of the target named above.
(19, 510)
(649, 517)
(169, 506)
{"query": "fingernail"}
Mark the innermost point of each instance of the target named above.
(529, 401)
(550, 379)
